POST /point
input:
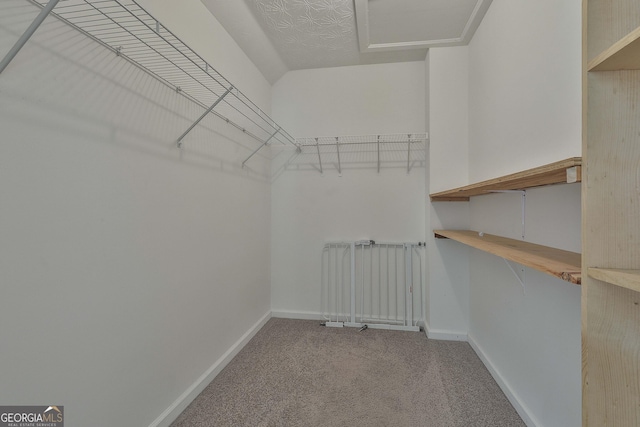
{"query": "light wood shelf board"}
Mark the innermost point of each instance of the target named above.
(562, 264)
(629, 279)
(608, 22)
(553, 173)
(611, 214)
(623, 55)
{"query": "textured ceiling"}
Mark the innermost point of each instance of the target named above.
(316, 33)
(310, 33)
(283, 35)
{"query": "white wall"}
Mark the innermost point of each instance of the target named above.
(530, 334)
(357, 100)
(128, 267)
(524, 111)
(524, 87)
(309, 208)
(448, 275)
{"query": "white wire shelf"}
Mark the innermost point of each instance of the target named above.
(363, 139)
(132, 33)
(377, 146)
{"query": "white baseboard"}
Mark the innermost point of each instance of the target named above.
(444, 335)
(181, 403)
(520, 407)
(301, 315)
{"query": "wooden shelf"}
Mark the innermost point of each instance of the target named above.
(623, 55)
(556, 262)
(610, 213)
(565, 171)
(629, 279)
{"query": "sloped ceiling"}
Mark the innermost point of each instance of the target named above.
(283, 35)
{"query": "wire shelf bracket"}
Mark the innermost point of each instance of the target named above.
(129, 31)
(319, 157)
(408, 153)
(210, 109)
(338, 151)
(27, 34)
(259, 148)
(378, 144)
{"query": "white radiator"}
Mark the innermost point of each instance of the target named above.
(377, 285)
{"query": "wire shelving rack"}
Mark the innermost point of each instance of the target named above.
(131, 32)
(375, 143)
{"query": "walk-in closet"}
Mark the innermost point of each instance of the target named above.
(319, 212)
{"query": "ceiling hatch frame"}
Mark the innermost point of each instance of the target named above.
(362, 25)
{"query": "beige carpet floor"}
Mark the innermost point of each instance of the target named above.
(298, 373)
